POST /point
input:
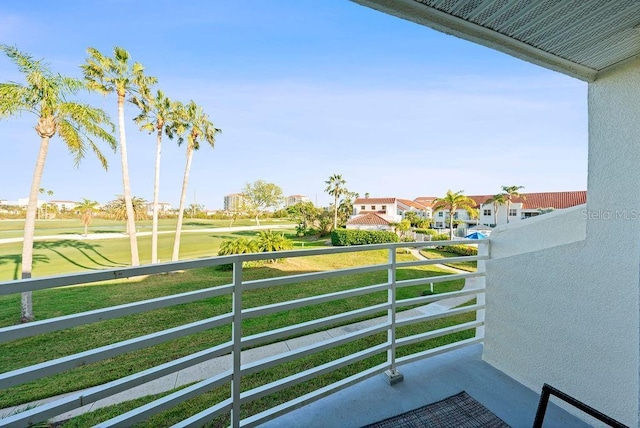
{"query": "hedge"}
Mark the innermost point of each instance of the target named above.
(462, 250)
(344, 237)
(427, 231)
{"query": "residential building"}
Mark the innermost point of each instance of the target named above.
(163, 207)
(63, 205)
(381, 212)
(233, 202)
(294, 199)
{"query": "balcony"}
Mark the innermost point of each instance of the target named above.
(397, 336)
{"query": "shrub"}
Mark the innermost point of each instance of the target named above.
(344, 237)
(427, 231)
(440, 237)
(462, 250)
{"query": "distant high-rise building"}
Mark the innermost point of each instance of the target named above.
(233, 202)
(294, 199)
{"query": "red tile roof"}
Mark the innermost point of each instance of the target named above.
(364, 201)
(369, 219)
(557, 200)
(414, 204)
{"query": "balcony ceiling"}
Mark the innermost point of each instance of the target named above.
(581, 38)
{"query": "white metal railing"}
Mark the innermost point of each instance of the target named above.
(237, 341)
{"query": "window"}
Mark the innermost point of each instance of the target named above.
(513, 212)
(440, 214)
(384, 208)
(362, 207)
(486, 212)
(373, 207)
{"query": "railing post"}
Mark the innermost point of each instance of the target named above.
(483, 251)
(236, 333)
(394, 375)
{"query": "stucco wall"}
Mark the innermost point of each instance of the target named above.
(566, 313)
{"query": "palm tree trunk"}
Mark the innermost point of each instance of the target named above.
(183, 197)
(335, 213)
(131, 222)
(508, 209)
(156, 191)
(26, 313)
(495, 215)
(451, 225)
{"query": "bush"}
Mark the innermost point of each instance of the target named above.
(462, 250)
(344, 237)
(440, 237)
(427, 231)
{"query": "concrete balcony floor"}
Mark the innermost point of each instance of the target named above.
(425, 382)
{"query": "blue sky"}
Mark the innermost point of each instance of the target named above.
(303, 89)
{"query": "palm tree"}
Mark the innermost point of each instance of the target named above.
(117, 75)
(192, 121)
(86, 209)
(46, 94)
(336, 188)
(117, 209)
(452, 202)
(511, 192)
(497, 200)
(156, 114)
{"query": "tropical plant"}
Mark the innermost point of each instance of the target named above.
(305, 213)
(336, 188)
(238, 246)
(49, 193)
(259, 196)
(157, 114)
(345, 207)
(117, 209)
(497, 200)
(512, 192)
(194, 123)
(86, 209)
(452, 202)
(269, 240)
(47, 95)
(117, 75)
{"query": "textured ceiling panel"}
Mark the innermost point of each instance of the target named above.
(592, 34)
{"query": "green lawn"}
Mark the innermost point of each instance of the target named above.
(432, 253)
(14, 228)
(57, 302)
(71, 255)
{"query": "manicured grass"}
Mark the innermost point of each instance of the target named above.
(432, 253)
(56, 302)
(71, 255)
(14, 228)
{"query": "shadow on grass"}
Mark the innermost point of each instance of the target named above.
(87, 250)
(199, 223)
(16, 260)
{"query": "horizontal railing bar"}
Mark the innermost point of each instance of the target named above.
(451, 312)
(445, 260)
(141, 413)
(308, 301)
(41, 283)
(314, 276)
(436, 351)
(274, 360)
(58, 365)
(309, 325)
(69, 321)
(312, 396)
(436, 279)
(93, 394)
(200, 419)
(438, 333)
(438, 297)
(277, 385)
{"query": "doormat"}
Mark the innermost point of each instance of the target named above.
(457, 411)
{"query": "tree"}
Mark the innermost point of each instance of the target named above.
(269, 240)
(497, 200)
(345, 207)
(336, 188)
(117, 209)
(512, 192)
(48, 95)
(452, 202)
(194, 123)
(49, 193)
(156, 114)
(117, 75)
(305, 214)
(86, 209)
(260, 196)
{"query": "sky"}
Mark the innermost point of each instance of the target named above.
(302, 90)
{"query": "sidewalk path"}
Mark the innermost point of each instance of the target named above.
(218, 365)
